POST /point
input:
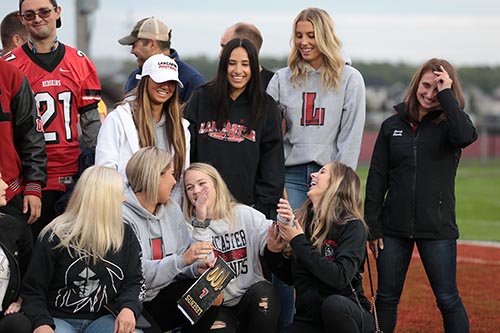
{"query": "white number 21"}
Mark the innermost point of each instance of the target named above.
(45, 101)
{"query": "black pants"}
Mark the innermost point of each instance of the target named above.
(339, 314)
(49, 199)
(15, 323)
(14, 208)
(257, 312)
(163, 314)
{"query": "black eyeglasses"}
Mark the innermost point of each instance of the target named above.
(42, 13)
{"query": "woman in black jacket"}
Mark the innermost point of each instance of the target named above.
(328, 242)
(410, 192)
(15, 250)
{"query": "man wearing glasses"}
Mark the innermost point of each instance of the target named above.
(67, 91)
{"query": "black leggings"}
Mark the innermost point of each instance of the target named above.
(163, 314)
(339, 314)
(257, 312)
(15, 323)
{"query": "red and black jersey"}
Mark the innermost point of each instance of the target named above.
(22, 148)
(64, 87)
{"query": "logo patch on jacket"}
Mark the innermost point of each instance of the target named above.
(330, 249)
(397, 133)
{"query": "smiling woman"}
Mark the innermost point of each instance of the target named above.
(148, 116)
(235, 126)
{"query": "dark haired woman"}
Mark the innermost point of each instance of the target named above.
(235, 127)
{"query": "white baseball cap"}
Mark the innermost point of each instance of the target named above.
(160, 68)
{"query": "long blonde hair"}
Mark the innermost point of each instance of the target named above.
(224, 201)
(328, 44)
(340, 203)
(92, 222)
(143, 119)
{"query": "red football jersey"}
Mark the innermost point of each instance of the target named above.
(63, 88)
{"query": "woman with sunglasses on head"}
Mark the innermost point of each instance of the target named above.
(238, 234)
(235, 126)
(410, 192)
(171, 260)
(15, 251)
(327, 237)
(149, 116)
(85, 271)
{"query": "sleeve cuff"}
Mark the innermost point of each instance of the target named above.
(33, 189)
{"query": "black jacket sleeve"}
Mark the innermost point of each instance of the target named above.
(461, 131)
(28, 135)
(36, 283)
(270, 179)
(190, 113)
(348, 259)
(377, 184)
(280, 265)
(132, 290)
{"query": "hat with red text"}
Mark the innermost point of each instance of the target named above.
(160, 68)
(147, 28)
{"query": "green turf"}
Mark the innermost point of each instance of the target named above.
(477, 199)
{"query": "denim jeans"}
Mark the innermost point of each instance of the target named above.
(297, 182)
(100, 325)
(439, 258)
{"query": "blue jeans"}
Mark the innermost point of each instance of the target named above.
(297, 182)
(439, 258)
(100, 325)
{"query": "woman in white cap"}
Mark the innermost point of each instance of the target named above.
(149, 116)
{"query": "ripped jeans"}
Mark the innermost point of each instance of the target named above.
(257, 312)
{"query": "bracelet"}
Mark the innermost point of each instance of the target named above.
(197, 224)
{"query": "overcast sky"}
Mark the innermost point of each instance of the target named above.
(466, 32)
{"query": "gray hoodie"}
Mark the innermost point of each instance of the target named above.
(239, 244)
(321, 126)
(164, 237)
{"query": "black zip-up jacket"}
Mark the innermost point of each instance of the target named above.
(17, 247)
(316, 275)
(410, 190)
(251, 164)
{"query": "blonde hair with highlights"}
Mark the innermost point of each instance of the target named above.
(92, 222)
(224, 201)
(328, 44)
(144, 170)
(341, 202)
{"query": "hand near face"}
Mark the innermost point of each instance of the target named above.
(201, 204)
(443, 79)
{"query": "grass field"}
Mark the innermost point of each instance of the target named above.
(477, 199)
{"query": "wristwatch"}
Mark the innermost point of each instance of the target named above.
(197, 224)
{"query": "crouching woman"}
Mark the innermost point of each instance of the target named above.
(328, 249)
